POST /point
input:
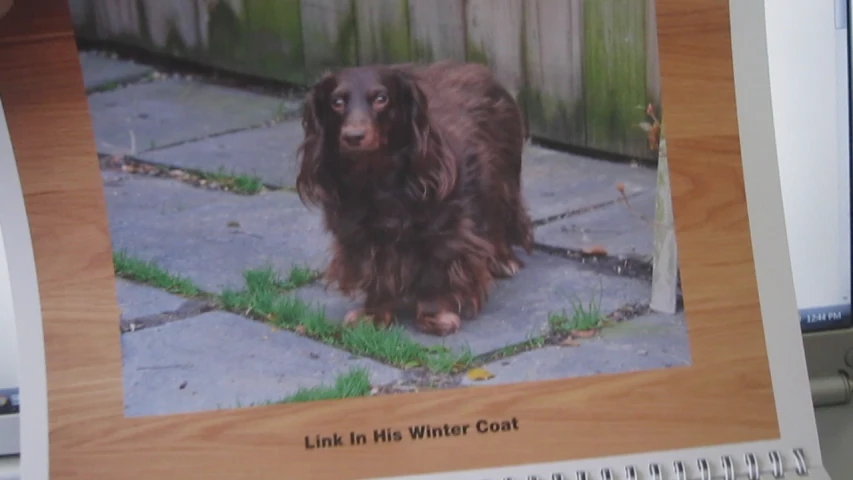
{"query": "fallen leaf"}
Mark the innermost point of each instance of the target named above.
(596, 250)
(654, 136)
(479, 374)
(300, 329)
(584, 333)
(569, 342)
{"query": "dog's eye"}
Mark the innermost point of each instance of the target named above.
(380, 99)
(338, 102)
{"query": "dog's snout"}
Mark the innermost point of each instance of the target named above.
(353, 136)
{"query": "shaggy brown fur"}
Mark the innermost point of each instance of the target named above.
(417, 170)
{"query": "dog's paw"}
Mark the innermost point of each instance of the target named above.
(357, 315)
(505, 268)
(383, 320)
(440, 324)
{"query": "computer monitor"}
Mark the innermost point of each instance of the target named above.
(817, 190)
(9, 359)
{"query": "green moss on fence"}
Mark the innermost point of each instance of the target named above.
(394, 44)
(273, 39)
(385, 41)
(330, 49)
(552, 117)
(266, 40)
(476, 54)
(422, 52)
(615, 75)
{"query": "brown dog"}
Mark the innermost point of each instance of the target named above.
(417, 170)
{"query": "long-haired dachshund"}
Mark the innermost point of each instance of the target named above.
(417, 170)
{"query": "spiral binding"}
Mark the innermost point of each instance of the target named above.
(678, 471)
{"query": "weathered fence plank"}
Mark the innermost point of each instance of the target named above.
(495, 29)
(437, 29)
(172, 26)
(652, 60)
(584, 70)
(383, 31)
(328, 35)
(615, 75)
(101, 19)
(265, 39)
(552, 96)
(664, 297)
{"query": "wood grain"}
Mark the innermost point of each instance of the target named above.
(614, 76)
(437, 29)
(554, 99)
(52, 136)
(494, 29)
(328, 35)
(32, 20)
(383, 31)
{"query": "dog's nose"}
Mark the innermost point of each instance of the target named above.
(353, 137)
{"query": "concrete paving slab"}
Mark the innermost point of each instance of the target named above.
(210, 236)
(220, 360)
(556, 183)
(620, 230)
(101, 71)
(519, 307)
(142, 117)
(267, 153)
(137, 300)
(646, 343)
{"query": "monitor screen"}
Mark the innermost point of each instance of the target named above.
(817, 193)
(9, 361)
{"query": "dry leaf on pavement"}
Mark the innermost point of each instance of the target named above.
(479, 374)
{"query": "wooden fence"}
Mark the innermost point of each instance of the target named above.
(584, 70)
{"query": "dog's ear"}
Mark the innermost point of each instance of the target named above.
(411, 106)
(311, 177)
(314, 108)
(432, 161)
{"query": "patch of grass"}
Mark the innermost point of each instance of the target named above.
(150, 273)
(240, 183)
(355, 383)
(266, 297)
(532, 343)
(267, 279)
(582, 317)
(108, 86)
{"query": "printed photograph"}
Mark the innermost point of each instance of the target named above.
(316, 200)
